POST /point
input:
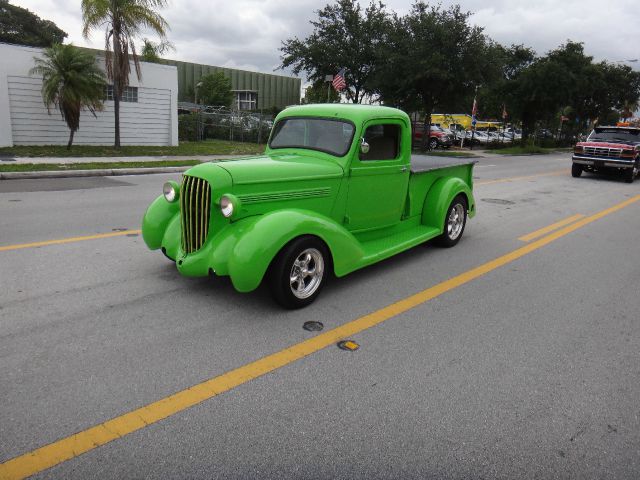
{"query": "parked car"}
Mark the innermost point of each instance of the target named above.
(337, 189)
(437, 136)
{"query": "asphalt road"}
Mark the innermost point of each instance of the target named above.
(530, 370)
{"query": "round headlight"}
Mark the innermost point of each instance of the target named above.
(226, 206)
(170, 191)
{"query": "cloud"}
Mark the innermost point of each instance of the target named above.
(248, 33)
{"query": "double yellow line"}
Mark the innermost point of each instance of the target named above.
(60, 241)
(67, 448)
(46, 243)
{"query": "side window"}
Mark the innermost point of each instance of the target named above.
(384, 142)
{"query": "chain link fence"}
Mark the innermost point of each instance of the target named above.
(197, 123)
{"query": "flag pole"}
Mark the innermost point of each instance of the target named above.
(328, 79)
(474, 111)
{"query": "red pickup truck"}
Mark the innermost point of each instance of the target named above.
(609, 149)
(437, 136)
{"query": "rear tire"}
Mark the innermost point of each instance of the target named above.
(576, 170)
(299, 272)
(433, 144)
(454, 222)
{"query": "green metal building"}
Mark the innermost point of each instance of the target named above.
(252, 90)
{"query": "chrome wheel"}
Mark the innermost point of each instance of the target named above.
(455, 222)
(306, 273)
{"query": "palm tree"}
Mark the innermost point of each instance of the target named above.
(124, 20)
(151, 51)
(71, 81)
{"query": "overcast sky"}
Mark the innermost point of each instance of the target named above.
(247, 33)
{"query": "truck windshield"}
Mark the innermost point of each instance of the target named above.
(615, 135)
(326, 135)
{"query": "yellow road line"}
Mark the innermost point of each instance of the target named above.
(68, 240)
(117, 234)
(550, 228)
(526, 177)
(67, 448)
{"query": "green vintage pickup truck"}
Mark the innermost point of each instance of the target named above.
(337, 189)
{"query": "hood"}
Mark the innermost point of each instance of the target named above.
(273, 168)
(625, 145)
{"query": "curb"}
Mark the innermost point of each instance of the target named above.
(108, 172)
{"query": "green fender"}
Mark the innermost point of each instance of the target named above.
(155, 221)
(264, 236)
(440, 196)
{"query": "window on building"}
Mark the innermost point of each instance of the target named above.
(246, 100)
(130, 94)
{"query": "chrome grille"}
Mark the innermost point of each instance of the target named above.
(603, 152)
(195, 208)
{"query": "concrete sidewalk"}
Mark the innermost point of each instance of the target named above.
(6, 160)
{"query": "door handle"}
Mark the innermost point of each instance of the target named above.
(403, 169)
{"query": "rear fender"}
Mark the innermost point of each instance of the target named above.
(440, 196)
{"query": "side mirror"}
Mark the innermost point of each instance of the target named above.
(364, 146)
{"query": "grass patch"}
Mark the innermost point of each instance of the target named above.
(208, 147)
(524, 150)
(48, 167)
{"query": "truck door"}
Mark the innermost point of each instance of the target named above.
(378, 180)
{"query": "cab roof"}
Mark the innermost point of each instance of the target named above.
(349, 111)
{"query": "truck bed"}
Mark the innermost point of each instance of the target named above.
(427, 163)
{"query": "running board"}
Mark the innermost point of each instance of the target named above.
(381, 248)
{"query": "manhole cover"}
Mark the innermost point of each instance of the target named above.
(313, 326)
(349, 345)
(498, 201)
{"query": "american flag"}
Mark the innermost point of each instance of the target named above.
(338, 81)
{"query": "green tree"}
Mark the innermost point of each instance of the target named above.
(566, 81)
(152, 52)
(71, 82)
(20, 26)
(344, 36)
(434, 56)
(319, 91)
(493, 97)
(124, 21)
(215, 89)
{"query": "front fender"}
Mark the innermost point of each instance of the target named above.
(259, 239)
(156, 220)
(440, 196)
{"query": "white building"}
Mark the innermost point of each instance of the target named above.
(148, 110)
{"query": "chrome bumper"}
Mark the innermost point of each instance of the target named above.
(602, 162)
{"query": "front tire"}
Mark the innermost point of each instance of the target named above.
(433, 144)
(576, 170)
(454, 222)
(631, 173)
(299, 272)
